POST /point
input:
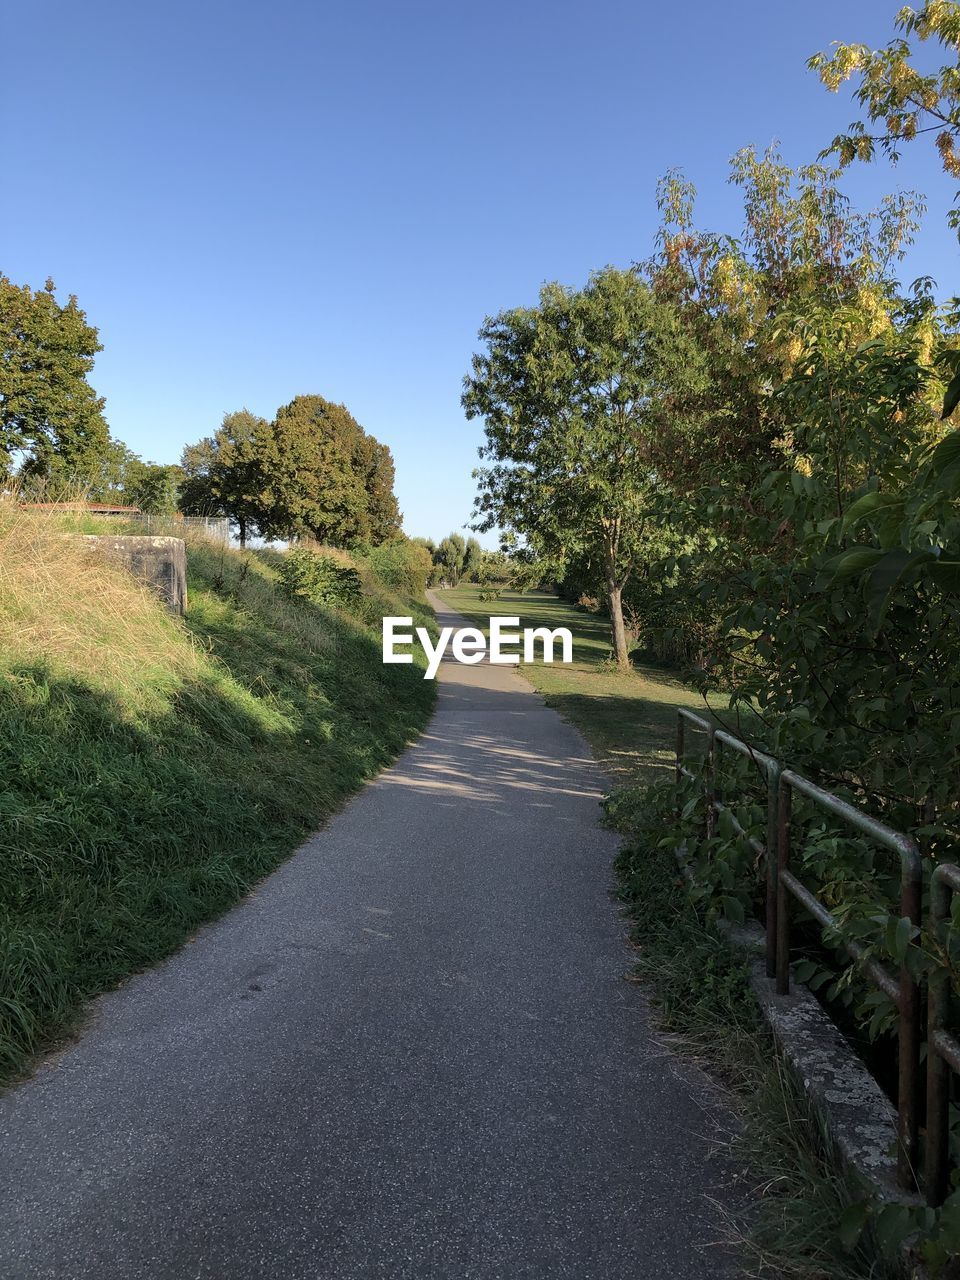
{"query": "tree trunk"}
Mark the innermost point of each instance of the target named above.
(242, 531)
(618, 630)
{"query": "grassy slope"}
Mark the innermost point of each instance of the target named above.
(630, 720)
(150, 771)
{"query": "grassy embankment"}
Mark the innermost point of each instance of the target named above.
(152, 770)
(629, 720)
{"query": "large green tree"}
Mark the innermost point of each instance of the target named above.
(573, 393)
(228, 474)
(327, 478)
(50, 416)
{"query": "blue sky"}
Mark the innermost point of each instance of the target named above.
(254, 201)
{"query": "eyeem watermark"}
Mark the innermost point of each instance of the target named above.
(469, 645)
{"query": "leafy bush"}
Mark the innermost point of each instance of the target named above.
(320, 579)
(402, 565)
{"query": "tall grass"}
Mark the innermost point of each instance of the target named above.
(153, 769)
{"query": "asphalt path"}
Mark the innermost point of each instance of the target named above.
(412, 1052)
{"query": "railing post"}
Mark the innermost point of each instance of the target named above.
(936, 1165)
(908, 1031)
(680, 751)
(783, 862)
(773, 779)
(710, 781)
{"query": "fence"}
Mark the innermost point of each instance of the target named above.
(903, 988)
(215, 527)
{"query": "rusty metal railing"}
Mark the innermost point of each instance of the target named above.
(943, 1049)
(781, 883)
(903, 989)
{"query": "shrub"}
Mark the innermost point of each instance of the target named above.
(320, 579)
(402, 565)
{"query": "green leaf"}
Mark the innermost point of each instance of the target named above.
(895, 569)
(851, 563)
(946, 574)
(952, 396)
(867, 505)
(732, 909)
(905, 931)
(945, 460)
(852, 1222)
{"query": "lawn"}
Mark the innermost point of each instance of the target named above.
(630, 720)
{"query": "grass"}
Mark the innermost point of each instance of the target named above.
(629, 720)
(152, 770)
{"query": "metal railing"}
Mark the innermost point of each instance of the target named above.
(903, 988)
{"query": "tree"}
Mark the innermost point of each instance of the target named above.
(152, 487)
(227, 474)
(572, 394)
(49, 413)
(383, 511)
(124, 477)
(906, 101)
(327, 478)
(472, 559)
(749, 301)
(450, 557)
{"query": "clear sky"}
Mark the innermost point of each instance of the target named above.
(254, 201)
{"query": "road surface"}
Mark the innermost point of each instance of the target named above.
(411, 1053)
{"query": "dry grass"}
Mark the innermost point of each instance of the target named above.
(65, 605)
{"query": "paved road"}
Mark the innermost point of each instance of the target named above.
(411, 1053)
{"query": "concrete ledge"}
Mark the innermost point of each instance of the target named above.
(161, 563)
(858, 1116)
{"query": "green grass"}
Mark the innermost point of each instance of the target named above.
(629, 720)
(151, 771)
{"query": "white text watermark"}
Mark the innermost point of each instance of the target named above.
(469, 644)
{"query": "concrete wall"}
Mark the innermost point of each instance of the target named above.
(159, 562)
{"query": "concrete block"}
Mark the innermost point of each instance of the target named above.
(161, 563)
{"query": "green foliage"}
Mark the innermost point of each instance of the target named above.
(47, 407)
(800, 545)
(858, 882)
(322, 580)
(403, 564)
(152, 488)
(326, 478)
(572, 394)
(312, 472)
(450, 558)
(228, 474)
